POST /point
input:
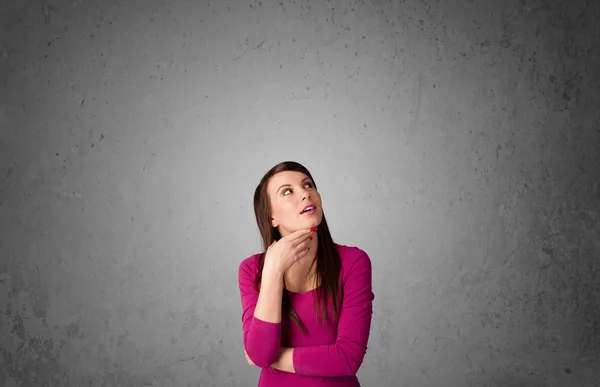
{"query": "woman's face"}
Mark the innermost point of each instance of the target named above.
(289, 193)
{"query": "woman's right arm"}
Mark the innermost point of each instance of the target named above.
(261, 314)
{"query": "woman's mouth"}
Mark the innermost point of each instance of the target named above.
(309, 211)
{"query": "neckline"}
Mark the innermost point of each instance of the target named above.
(301, 293)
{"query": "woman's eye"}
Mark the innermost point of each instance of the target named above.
(288, 189)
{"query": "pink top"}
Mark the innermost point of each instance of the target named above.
(328, 355)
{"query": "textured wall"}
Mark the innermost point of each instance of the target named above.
(456, 142)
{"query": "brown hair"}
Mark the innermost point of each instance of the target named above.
(328, 259)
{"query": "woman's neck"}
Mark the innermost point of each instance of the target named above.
(301, 276)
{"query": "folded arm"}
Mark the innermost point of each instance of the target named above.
(346, 355)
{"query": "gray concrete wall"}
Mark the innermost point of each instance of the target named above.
(456, 142)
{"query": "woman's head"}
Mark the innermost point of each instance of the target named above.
(280, 199)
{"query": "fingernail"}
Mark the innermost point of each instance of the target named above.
(313, 229)
(311, 238)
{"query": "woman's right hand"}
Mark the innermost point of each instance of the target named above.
(282, 254)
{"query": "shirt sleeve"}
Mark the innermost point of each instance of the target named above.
(345, 356)
(262, 339)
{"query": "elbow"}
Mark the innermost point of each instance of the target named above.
(263, 356)
(354, 359)
(263, 359)
(354, 366)
(263, 346)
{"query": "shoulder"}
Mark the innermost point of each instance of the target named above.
(351, 257)
(250, 266)
(356, 272)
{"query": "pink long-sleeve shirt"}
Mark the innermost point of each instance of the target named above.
(328, 355)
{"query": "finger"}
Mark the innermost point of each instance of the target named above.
(298, 234)
(302, 245)
(305, 243)
(302, 253)
(302, 242)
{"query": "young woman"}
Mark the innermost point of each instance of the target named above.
(306, 300)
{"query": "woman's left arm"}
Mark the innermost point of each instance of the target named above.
(346, 355)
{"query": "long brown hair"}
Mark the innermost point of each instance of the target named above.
(328, 259)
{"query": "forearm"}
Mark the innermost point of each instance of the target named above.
(337, 360)
(343, 358)
(268, 306)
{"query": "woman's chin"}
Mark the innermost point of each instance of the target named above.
(308, 223)
(313, 223)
